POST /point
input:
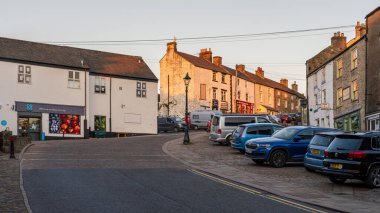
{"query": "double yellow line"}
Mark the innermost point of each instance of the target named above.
(258, 193)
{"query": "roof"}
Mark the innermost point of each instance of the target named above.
(372, 12)
(200, 62)
(96, 61)
(321, 58)
(260, 124)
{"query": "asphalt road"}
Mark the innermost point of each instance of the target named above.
(132, 175)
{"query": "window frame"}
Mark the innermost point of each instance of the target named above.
(354, 58)
(354, 92)
(339, 68)
(75, 79)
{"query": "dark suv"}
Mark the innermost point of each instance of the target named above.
(354, 156)
(172, 124)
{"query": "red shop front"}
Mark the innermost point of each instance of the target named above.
(244, 107)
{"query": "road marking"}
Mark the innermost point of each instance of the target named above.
(249, 190)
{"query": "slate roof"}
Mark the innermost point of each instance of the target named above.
(200, 62)
(96, 61)
(321, 58)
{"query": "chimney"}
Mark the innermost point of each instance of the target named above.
(172, 46)
(338, 40)
(217, 60)
(240, 67)
(206, 54)
(284, 82)
(260, 72)
(360, 30)
(295, 86)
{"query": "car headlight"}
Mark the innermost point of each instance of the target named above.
(263, 145)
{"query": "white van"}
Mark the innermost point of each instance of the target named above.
(199, 119)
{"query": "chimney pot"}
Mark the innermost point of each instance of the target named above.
(260, 72)
(338, 41)
(217, 60)
(240, 67)
(206, 54)
(284, 82)
(171, 46)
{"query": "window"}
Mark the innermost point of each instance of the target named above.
(292, 97)
(224, 95)
(286, 95)
(262, 120)
(100, 123)
(322, 122)
(328, 121)
(63, 123)
(24, 74)
(315, 80)
(223, 78)
(195, 116)
(238, 95)
(354, 58)
(270, 98)
(74, 80)
(278, 92)
(339, 68)
(339, 97)
(214, 93)
(346, 93)
(323, 96)
(375, 143)
(354, 91)
(306, 134)
(278, 101)
(292, 106)
(203, 92)
(261, 97)
(140, 89)
(100, 85)
(316, 99)
(260, 88)
(286, 104)
(323, 76)
(246, 84)
(238, 82)
(246, 97)
(214, 76)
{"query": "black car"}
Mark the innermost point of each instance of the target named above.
(354, 156)
(172, 124)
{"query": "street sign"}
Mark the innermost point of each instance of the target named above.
(4, 123)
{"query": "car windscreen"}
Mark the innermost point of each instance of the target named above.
(236, 121)
(215, 121)
(346, 143)
(322, 140)
(178, 120)
(286, 133)
(239, 129)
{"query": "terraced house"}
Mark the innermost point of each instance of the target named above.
(218, 87)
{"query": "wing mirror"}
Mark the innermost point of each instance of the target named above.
(297, 138)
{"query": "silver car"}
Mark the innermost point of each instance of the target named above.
(222, 126)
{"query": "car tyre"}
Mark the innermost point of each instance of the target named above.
(308, 169)
(337, 180)
(278, 159)
(228, 140)
(259, 162)
(373, 178)
(242, 151)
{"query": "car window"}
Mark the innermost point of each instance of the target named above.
(239, 129)
(345, 143)
(169, 120)
(161, 120)
(195, 116)
(277, 128)
(306, 134)
(375, 143)
(236, 121)
(322, 140)
(265, 130)
(215, 121)
(262, 120)
(286, 133)
(252, 131)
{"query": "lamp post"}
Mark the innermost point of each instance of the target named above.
(186, 139)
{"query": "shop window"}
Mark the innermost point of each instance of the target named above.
(141, 89)
(203, 92)
(24, 74)
(100, 123)
(74, 80)
(355, 122)
(100, 85)
(63, 123)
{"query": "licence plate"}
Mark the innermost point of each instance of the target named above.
(336, 166)
(316, 151)
(247, 150)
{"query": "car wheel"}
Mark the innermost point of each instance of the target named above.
(175, 129)
(337, 180)
(228, 140)
(308, 169)
(259, 162)
(195, 127)
(373, 178)
(278, 159)
(242, 151)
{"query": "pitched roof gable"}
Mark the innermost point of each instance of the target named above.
(200, 62)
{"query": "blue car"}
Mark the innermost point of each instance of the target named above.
(288, 144)
(246, 132)
(314, 157)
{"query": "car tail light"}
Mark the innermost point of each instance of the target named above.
(326, 153)
(241, 131)
(219, 131)
(356, 155)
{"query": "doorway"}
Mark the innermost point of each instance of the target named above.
(29, 127)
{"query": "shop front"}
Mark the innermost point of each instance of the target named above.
(348, 122)
(36, 120)
(244, 107)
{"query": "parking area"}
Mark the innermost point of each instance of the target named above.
(292, 181)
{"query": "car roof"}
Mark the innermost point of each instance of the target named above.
(259, 124)
(331, 133)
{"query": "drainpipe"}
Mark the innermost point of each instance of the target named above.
(110, 119)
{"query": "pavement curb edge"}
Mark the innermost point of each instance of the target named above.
(21, 179)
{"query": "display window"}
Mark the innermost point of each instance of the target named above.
(63, 123)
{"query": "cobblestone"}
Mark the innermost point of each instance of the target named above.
(293, 180)
(11, 199)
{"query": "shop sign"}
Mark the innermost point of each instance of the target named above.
(49, 108)
(4, 123)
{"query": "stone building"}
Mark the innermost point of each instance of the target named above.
(372, 71)
(349, 84)
(218, 87)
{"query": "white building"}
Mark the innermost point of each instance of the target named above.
(67, 91)
(321, 96)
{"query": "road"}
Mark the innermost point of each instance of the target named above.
(132, 175)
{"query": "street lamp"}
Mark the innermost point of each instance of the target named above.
(186, 139)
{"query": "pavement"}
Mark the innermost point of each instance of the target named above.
(11, 198)
(133, 175)
(293, 181)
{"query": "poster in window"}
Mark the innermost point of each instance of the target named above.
(62, 123)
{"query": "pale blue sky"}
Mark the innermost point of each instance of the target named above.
(75, 20)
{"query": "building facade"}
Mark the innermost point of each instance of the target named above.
(215, 86)
(56, 91)
(372, 71)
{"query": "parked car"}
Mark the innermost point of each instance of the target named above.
(199, 119)
(249, 131)
(173, 124)
(354, 156)
(313, 160)
(222, 126)
(288, 144)
(285, 118)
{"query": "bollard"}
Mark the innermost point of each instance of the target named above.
(12, 147)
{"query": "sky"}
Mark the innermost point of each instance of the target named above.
(281, 56)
